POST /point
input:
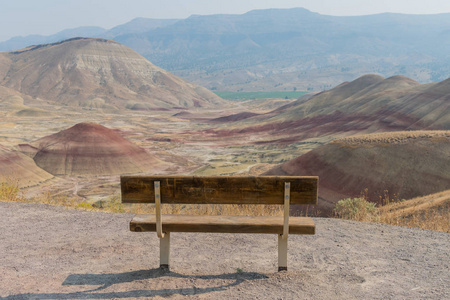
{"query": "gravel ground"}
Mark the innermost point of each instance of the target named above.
(52, 252)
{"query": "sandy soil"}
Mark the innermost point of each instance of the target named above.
(51, 252)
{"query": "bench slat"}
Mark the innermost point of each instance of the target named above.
(223, 224)
(220, 189)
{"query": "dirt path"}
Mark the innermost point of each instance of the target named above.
(57, 253)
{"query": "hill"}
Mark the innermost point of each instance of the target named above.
(428, 212)
(11, 100)
(403, 164)
(91, 149)
(97, 73)
(17, 167)
(368, 104)
(282, 49)
(396, 102)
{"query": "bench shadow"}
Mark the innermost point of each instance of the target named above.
(107, 280)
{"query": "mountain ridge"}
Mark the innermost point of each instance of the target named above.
(296, 47)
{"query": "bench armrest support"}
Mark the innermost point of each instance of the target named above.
(287, 198)
(159, 231)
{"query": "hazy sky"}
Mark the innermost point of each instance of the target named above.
(25, 17)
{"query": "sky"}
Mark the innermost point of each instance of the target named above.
(45, 17)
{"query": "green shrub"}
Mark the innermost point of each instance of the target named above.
(357, 209)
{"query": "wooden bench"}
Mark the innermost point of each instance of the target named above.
(221, 190)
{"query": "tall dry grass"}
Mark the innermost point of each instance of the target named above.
(392, 211)
(430, 212)
(10, 192)
(418, 213)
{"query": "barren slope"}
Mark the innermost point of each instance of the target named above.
(97, 73)
(395, 102)
(10, 99)
(366, 105)
(406, 164)
(17, 167)
(92, 149)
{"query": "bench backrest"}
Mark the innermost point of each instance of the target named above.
(220, 189)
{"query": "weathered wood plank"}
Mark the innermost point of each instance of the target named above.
(220, 189)
(223, 224)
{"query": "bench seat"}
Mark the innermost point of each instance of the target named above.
(223, 224)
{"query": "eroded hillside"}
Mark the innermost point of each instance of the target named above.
(97, 73)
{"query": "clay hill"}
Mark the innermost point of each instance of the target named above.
(13, 103)
(11, 100)
(91, 149)
(97, 73)
(17, 167)
(396, 102)
(368, 104)
(406, 164)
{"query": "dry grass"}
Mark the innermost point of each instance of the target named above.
(431, 212)
(10, 192)
(206, 209)
(396, 137)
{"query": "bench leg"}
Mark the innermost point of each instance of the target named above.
(282, 253)
(164, 251)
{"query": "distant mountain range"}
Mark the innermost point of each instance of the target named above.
(282, 49)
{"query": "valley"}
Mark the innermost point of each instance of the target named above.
(78, 113)
(180, 143)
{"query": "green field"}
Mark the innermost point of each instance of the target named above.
(259, 95)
